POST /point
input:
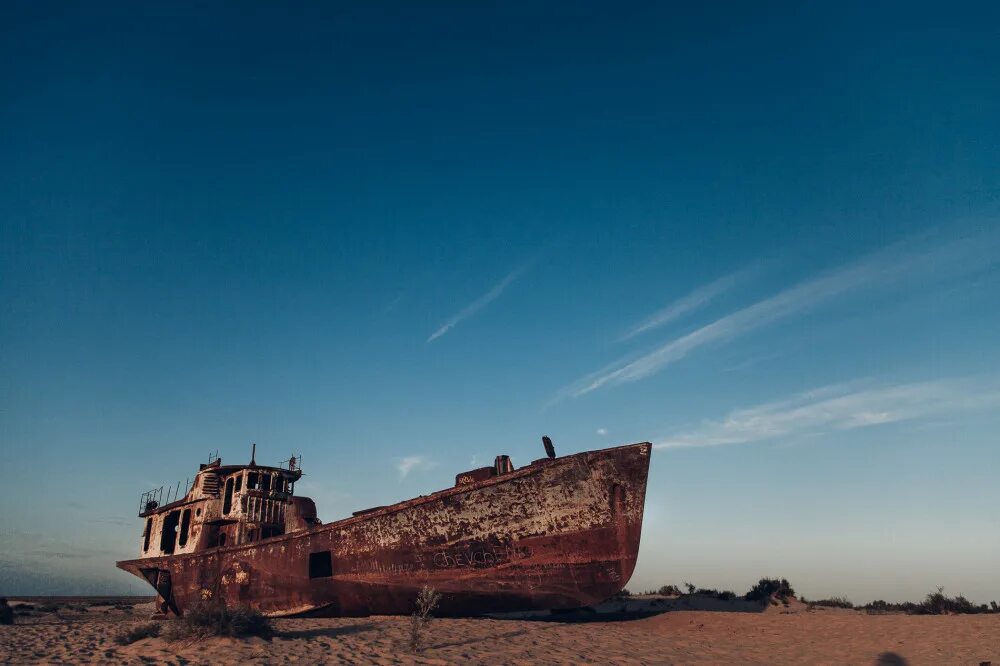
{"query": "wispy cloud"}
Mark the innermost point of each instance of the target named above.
(840, 407)
(397, 299)
(916, 259)
(478, 304)
(602, 431)
(409, 464)
(689, 303)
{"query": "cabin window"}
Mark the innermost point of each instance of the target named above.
(265, 482)
(320, 565)
(146, 534)
(269, 532)
(185, 526)
(252, 480)
(227, 503)
(168, 535)
(251, 535)
(239, 482)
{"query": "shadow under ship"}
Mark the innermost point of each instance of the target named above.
(562, 532)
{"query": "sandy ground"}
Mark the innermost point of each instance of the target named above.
(793, 635)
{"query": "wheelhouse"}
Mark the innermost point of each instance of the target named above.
(225, 505)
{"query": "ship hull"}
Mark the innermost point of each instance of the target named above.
(560, 533)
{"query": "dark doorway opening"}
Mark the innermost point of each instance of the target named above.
(320, 565)
(185, 527)
(168, 536)
(227, 503)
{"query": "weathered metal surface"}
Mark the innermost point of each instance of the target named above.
(559, 533)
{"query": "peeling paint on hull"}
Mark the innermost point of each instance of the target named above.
(559, 533)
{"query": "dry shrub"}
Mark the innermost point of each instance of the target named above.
(832, 602)
(768, 589)
(936, 603)
(427, 601)
(723, 595)
(213, 618)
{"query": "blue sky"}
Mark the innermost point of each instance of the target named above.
(401, 241)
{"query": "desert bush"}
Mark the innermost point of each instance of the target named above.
(724, 595)
(880, 606)
(138, 632)
(213, 618)
(246, 621)
(832, 602)
(935, 603)
(669, 591)
(766, 588)
(690, 588)
(427, 601)
(938, 603)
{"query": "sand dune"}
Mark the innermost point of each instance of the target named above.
(793, 635)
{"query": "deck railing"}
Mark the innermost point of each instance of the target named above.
(151, 499)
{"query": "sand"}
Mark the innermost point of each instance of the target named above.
(794, 635)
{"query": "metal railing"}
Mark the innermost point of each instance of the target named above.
(293, 464)
(151, 499)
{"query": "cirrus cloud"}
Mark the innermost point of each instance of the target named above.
(840, 407)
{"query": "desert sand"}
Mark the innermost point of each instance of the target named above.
(779, 635)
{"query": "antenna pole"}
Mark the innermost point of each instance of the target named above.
(253, 453)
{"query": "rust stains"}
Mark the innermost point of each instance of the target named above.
(560, 532)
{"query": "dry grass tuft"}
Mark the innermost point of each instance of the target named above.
(138, 632)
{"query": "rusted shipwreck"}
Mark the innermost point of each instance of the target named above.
(562, 532)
